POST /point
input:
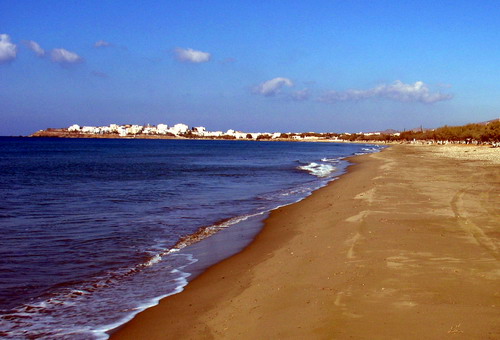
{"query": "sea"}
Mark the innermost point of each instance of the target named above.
(93, 231)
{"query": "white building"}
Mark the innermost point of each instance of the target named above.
(150, 130)
(105, 129)
(122, 131)
(134, 129)
(113, 127)
(90, 129)
(162, 129)
(179, 129)
(200, 130)
(214, 134)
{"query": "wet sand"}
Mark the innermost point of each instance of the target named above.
(403, 246)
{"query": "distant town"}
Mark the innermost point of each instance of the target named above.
(475, 133)
(184, 131)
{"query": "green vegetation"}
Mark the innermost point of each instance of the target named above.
(479, 133)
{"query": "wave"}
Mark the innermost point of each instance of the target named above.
(60, 315)
(207, 231)
(370, 149)
(331, 160)
(318, 169)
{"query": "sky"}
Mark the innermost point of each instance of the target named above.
(254, 66)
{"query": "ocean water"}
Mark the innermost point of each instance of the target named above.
(96, 230)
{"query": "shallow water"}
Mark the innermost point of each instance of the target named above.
(91, 226)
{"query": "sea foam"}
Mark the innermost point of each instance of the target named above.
(318, 169)
(150, 209)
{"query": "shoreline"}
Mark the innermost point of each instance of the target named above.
(435, 143)
(226, 241)
(162, 137)
(119, 301)
(116, 332)
(402, 261)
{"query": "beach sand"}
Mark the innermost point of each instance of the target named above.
(403, 246)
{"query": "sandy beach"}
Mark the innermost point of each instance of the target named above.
(403, 246)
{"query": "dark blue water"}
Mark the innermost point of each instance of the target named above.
(91, 227)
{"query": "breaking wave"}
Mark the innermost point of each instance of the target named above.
(318, 169)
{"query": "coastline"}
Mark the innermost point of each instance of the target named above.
(227, 186)
(59, 135)
(411, 253)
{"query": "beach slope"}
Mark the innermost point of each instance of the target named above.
(403, 246)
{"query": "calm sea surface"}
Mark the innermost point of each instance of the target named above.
(91, 228)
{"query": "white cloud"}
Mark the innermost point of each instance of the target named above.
(191, 56)
(8, 50)
(102, 43)
(398, 91)
(300, 95)
(35, 47)
(63, 56)
(273, 86)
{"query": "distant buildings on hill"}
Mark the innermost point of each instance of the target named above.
(126, 130)
(475, 133)
(183, 130)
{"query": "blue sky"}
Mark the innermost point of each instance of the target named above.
(249, 65)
